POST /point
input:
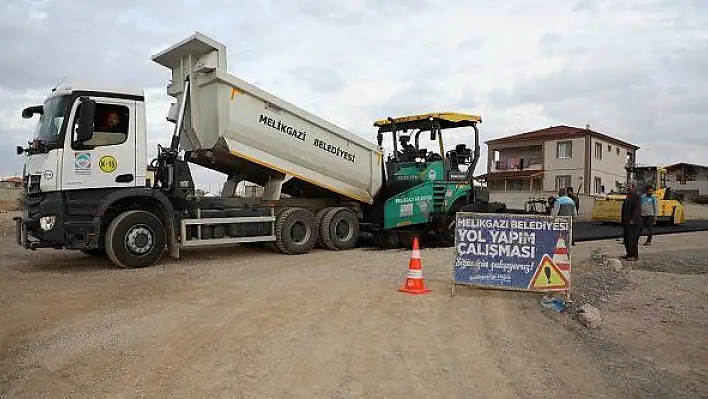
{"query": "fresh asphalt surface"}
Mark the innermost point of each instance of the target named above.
(589, 231)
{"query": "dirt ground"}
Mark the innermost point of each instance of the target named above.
(237, 322)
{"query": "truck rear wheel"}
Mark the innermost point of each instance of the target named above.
(318, 223)
(135, 239)
(339, 229)
(295, 231)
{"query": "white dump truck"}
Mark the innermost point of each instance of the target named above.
(89, 185)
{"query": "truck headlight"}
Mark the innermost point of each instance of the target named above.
(47, 222)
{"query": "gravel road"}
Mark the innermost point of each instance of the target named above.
(237, 322)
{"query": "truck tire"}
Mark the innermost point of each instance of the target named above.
(295, 231)
(318, 223)
(339, 229)
(135, 239)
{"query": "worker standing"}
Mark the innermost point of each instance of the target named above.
(631, 221)
(574, 197)
(565, 206)
(650, 208)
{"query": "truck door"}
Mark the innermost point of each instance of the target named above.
(107, 160)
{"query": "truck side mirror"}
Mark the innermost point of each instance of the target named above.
(28, 112)
(86, 115)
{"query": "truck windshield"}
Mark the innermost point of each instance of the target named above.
(48, 128)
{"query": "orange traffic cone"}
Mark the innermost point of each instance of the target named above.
(414, 283)
(561, 257)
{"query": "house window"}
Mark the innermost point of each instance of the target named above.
(598, 185)
(564, 149)
(563, 181)
(609, 148)
(598, 150)
(618, 150)
(515, 185)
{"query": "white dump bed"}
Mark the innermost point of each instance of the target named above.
(227, 114)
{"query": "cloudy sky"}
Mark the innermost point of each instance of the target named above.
(637, 70)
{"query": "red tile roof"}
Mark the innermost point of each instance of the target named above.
(11, 180)
(557, 133)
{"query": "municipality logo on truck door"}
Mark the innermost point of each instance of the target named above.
(82, 163)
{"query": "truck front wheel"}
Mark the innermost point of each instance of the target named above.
(135, 239)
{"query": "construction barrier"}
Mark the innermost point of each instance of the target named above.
(512, 251)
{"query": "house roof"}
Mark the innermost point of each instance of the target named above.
(13, 179)
(559, 132)
(680, 164)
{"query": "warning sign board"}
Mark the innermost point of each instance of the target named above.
(512, 251)
(548, 277)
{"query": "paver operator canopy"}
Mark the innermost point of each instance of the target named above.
(434, 123)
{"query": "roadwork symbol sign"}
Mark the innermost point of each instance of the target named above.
(548, 277)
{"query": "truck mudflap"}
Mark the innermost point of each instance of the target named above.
(21, 232)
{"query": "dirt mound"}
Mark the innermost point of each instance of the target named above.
(677, 262)
(596, 283)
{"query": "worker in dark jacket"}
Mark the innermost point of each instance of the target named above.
(574, 197)
(632, 222)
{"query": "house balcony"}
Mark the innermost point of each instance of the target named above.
(528, 180)
(522, 164)
(515, 158)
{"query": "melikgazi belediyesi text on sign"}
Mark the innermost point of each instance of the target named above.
(505, 239)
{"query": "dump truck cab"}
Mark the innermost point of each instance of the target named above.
(87, 153)
(427, 185)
